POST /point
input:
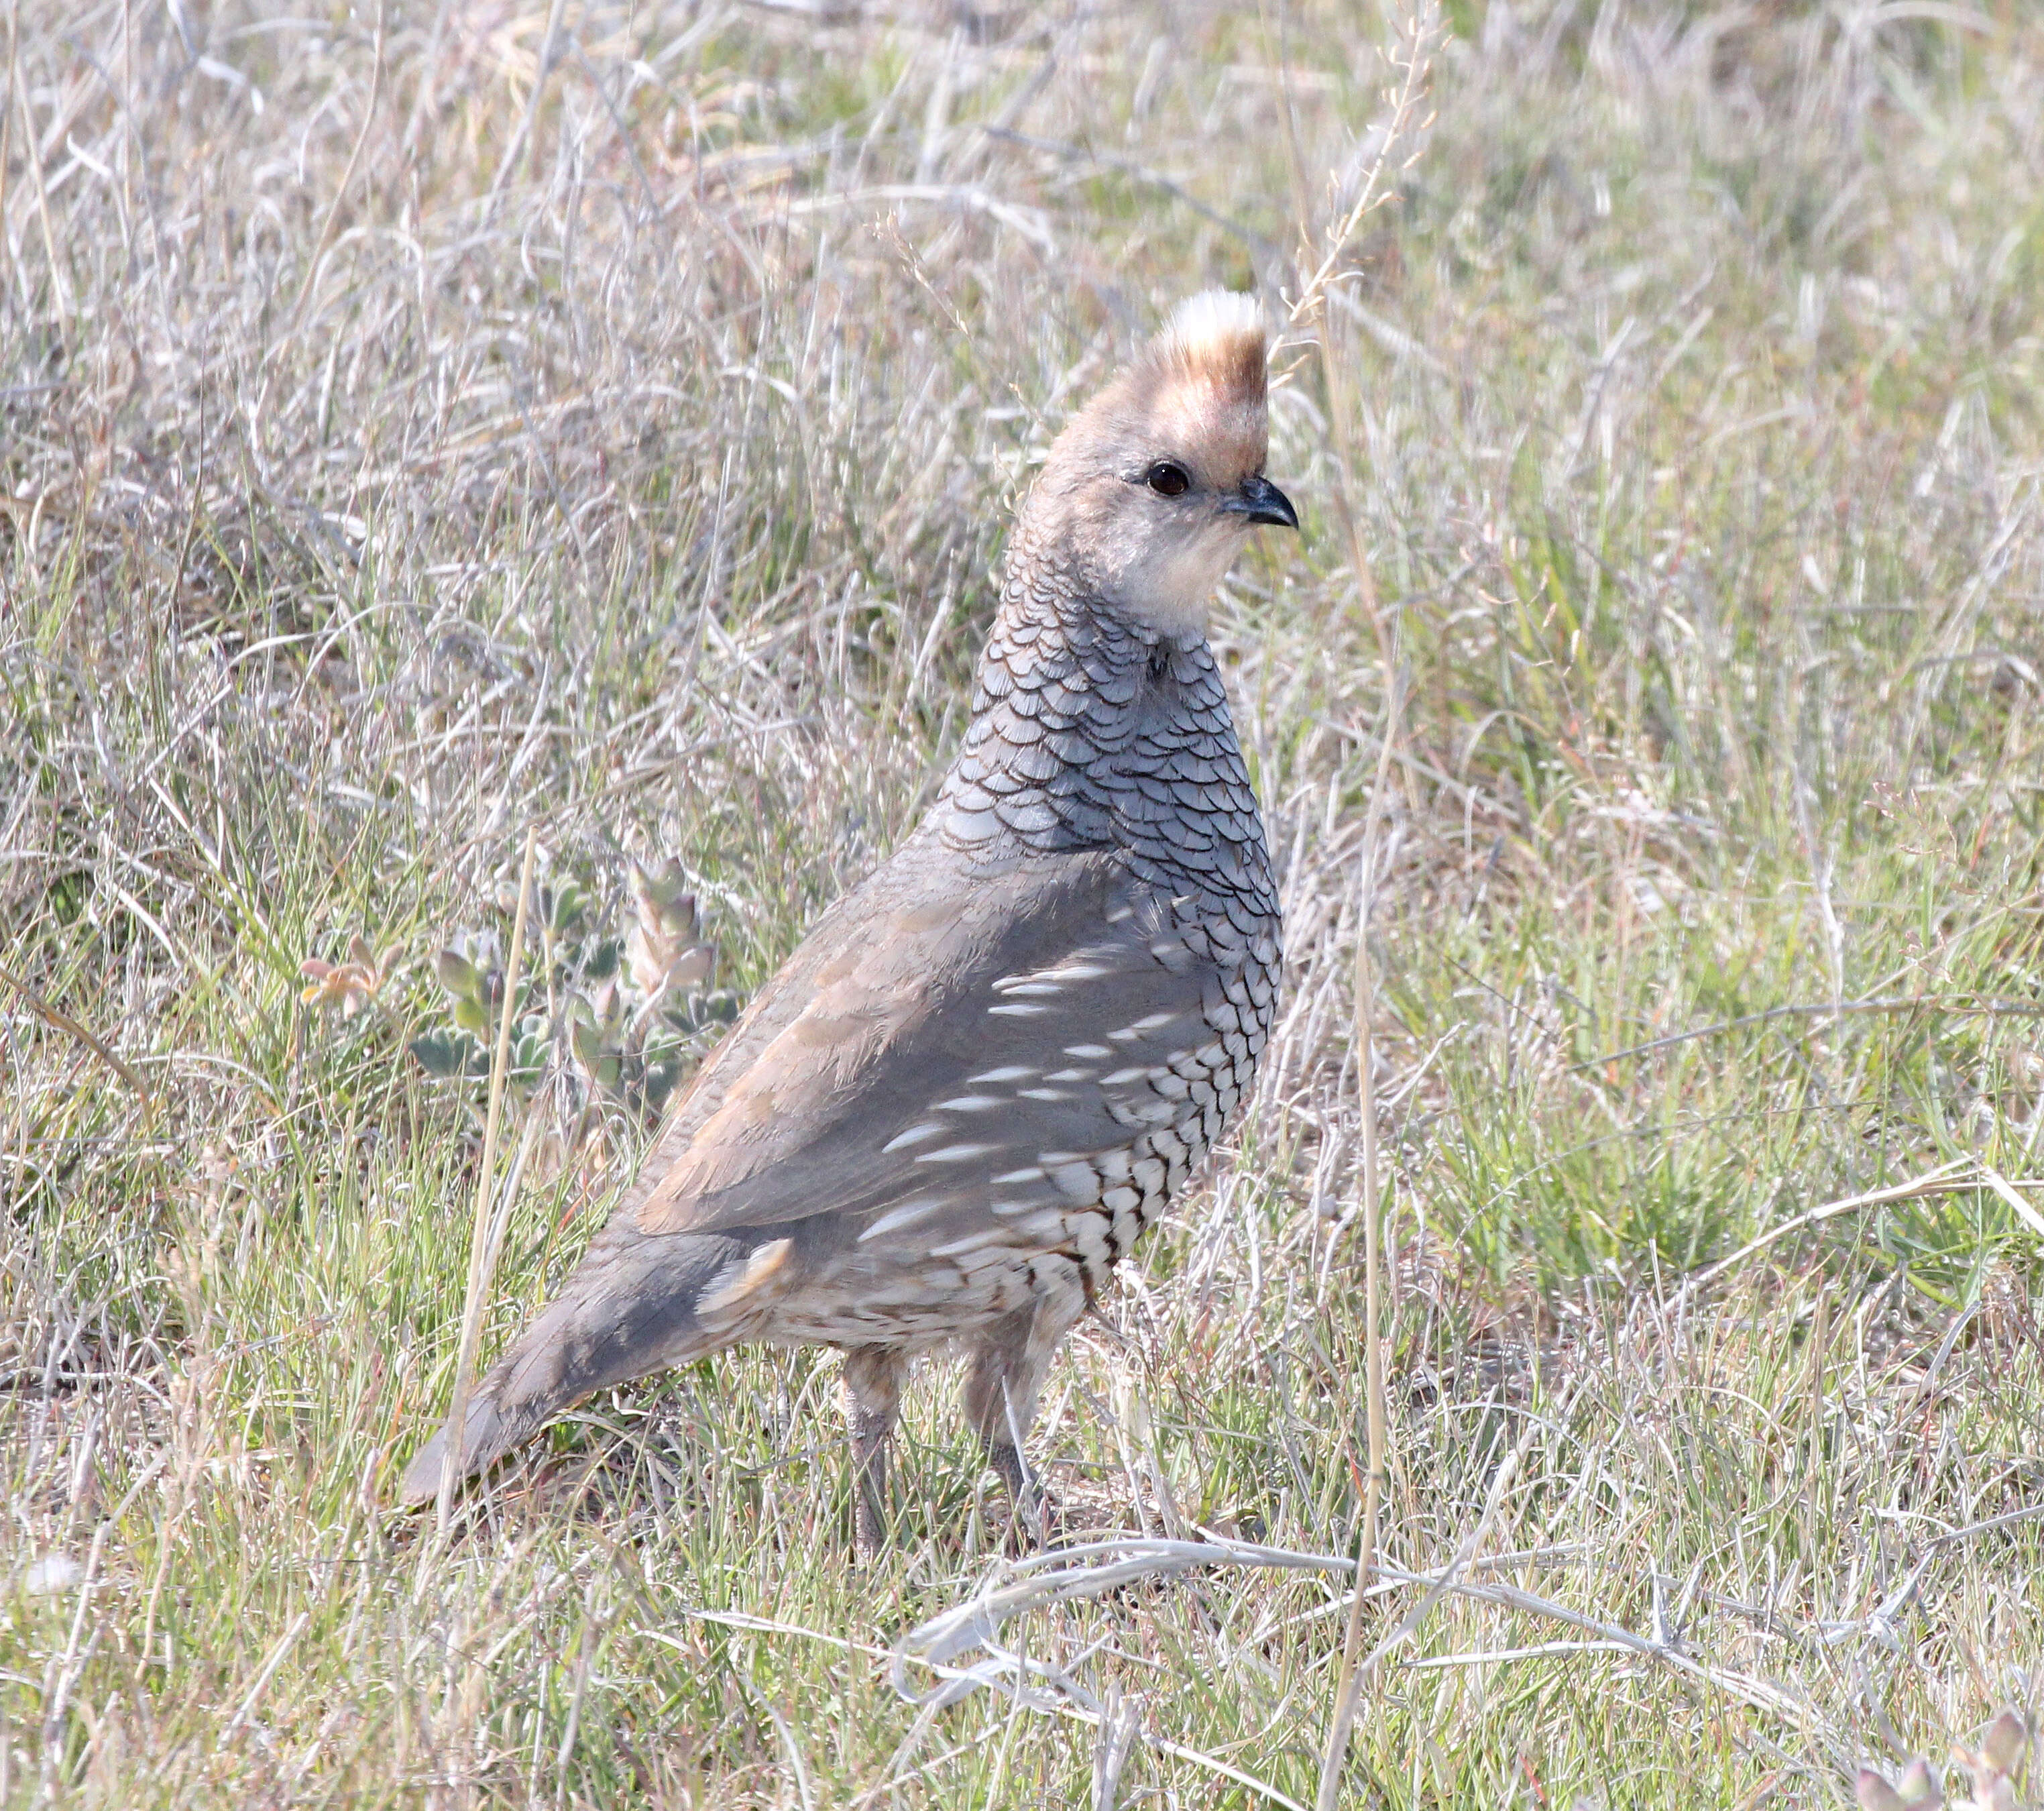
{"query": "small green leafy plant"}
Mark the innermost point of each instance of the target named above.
(618, 1019)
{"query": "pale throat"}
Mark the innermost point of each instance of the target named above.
(1168, 586)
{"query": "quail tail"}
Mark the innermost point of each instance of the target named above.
(632, 1308)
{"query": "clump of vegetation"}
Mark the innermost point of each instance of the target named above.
(352, 984)
(1994, 1765)
(618, 1018)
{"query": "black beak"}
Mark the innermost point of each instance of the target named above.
(1261, 501)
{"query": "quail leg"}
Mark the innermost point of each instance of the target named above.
(873, 1377)
(1001, 1396)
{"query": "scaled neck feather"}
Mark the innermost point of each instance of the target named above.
(1089, 732)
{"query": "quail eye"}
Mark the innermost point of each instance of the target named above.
(1167, 480)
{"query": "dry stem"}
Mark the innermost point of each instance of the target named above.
(482, 1248)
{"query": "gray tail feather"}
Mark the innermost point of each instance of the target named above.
(630, 1309)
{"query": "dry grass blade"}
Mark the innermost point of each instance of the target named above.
(1357, 1675)
(1087, 1570)
(482, 1245)
(324, 244)
(1352, 1676)
(1416, 33)
(1755, 1692)
(1947, 1179)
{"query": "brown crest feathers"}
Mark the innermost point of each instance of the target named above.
(1215, 338)
(1195, 393)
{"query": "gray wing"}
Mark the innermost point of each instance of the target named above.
(944, 1045)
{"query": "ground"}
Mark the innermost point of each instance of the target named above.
(424, 426)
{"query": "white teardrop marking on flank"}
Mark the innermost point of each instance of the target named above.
(1021, 1012)
(1017, 985)
(1044, 1093)
(1069, 1076)
(1122, 1077)
(1032, 1174)
(915, 1135)
(1144, 1027)
(1014, 1072)
(956, 1153)
(1092, 1052)
(970, 1103)
(907, 1214)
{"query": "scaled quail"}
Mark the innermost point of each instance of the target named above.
(990, 1065)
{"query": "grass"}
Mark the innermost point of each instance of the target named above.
(604, 421)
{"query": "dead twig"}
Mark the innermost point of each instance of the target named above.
(1958, 1004)
(62, 1021)
(1948, 1179)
